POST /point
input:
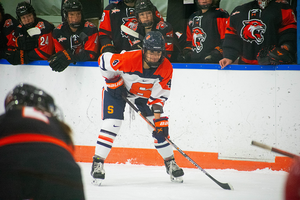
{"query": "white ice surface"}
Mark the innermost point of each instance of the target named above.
(138, 182)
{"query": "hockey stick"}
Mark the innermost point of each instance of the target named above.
(225, 186)
(261, 145)
(135, 34)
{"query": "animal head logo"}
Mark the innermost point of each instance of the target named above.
(199, 37)
(253, 31)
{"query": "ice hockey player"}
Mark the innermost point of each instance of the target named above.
(8, 25)
(31, 45)
(205, 33)
(148, 21)
(36, 149)
(259, 25)
(146, 75)
(111, 37)
(75, 39)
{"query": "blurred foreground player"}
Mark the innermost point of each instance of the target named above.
(145, 77)
(36, 149)
(292, 187)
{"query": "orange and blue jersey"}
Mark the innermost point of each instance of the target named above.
(151, 84)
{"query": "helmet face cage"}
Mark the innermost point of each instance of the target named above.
(215, 3)
(69, 6)
(25, 8)
(129, 1)
(28, 95)
(154, 41)
(263, 3)
(142, 6)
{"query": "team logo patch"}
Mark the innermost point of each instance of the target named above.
(115, 62)
(61, 39)
(115, 10)
(40, 25)
(199, 36)
(253, 31)
(8, 23)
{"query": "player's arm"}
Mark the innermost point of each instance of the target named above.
(232, 43)
(288, 30)
(217, 54)
(105, 33)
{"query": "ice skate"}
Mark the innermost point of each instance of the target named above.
(98, 172)
(174, 171)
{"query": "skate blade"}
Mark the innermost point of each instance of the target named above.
(97, 181)
(176, 179)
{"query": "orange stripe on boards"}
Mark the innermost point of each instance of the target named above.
(205, 160)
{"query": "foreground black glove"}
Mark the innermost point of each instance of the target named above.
(27, 42)
(161, 129)
(16, 57)
(115, 87)
(60, 61)
(273, 55)
(108, 48)
(185, 56)
(215, 56)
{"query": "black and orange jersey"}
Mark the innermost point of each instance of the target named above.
(45, 46)
(7, 33)
(251, 28)
(151, 84)
(115, 15)
(205, 32)
(65, 39)
(35, 149)
(163, 27)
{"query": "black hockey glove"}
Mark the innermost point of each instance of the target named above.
(115, 87)
(186, 55)
(215, 56)
(108, 48)
(60, 61)
(161, 129)
(16, 57)
(27, 42)
(273, 55)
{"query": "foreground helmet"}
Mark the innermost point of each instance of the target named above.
(142, 6)
(154, 41)
(69, 6)
(28, 95)
(263, 3)
(25, 8)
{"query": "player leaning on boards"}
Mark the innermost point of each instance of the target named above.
(205, 33)
(260, 32)
(144, 76)
(36, 149)
(33, 37)
(75, 39)
(148, 21)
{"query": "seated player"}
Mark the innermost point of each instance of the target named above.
(33, 37)
(75, 39)
(8, 25)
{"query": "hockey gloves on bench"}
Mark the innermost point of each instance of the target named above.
(16, 57)
(60, 61)
(161, 129)
(115, 87)
(27, 43)
(273, 55)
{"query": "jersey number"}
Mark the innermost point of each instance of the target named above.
(141, 89)
(44, 41)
